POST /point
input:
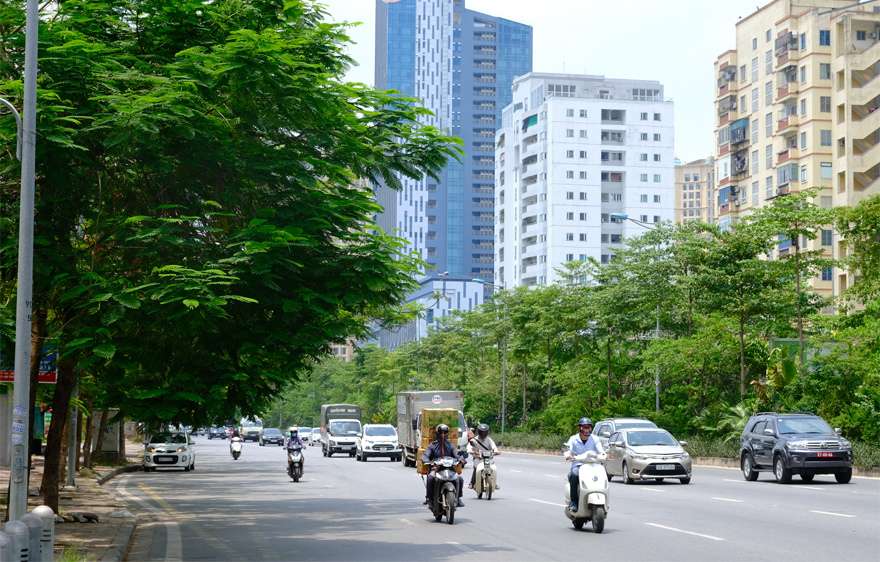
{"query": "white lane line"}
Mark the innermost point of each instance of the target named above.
(653, 490)
(685, 532)
(173, 539)
(461, 547)
(729, 480)
(511, 470)
(408, 522)
(809, 488)
(555, 463)
(386, 468)
(525, 460)
(729, 500)
(548, 503)
(552, 476)
(830, 513)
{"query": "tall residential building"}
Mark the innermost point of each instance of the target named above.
(796, 103)
(695, 191)
(572, 150)
(461, 64)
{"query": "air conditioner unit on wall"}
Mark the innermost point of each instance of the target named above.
(872, 36)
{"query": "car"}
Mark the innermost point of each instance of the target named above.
(605, 427)
(377, 440)
(169, 449)
(647, 453)
(315, 437)
(271, 435)
(217, 432)
(794, 443)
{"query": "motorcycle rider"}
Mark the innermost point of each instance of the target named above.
(578, 444)
(441, 447)
(482, 442)
(293, 439)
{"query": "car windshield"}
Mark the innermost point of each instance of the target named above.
(643, 438)
(304, 430)
(632, 424)
(271, 431)
(168, 438)
(345, 428)
(804, 425)
(380, 431)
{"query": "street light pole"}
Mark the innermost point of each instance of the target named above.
(504, 360)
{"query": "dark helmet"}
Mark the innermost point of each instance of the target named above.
(442, 429)
(483, 428)
(585, 421)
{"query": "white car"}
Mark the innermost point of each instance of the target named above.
(377, 440)
(169, 449)
(315, 437)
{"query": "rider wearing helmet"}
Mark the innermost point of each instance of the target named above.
(293, 438)
(578, 444)
(481, 443)
(441, 447)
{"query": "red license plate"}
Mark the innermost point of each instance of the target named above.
(825, 455)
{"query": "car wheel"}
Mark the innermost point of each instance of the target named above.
(783, 474)
(685, 480)
(807, 477)
(627, 479)
(186, 468)
(192, 466)
(748, 468)
(351, 454)
(843, 477)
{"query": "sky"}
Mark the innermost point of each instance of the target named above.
(674, 41)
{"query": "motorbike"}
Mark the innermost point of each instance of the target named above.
(593, 493)
(295, 462)
(445, 488)
(487, 475)
(235, 447)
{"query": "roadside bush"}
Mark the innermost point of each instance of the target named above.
(866, 455)
(702, 446)
(530, 440)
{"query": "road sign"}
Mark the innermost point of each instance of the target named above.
(48, 371)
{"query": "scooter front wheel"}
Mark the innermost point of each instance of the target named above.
(487, 486)
(598, 519)
(450, 506)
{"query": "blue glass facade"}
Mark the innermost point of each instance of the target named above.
(461, 63)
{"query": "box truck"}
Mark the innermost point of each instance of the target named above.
(409, 420)
(340, 424)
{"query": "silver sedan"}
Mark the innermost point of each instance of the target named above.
(643, 454)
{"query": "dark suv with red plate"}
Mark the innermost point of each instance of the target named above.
(795, 443)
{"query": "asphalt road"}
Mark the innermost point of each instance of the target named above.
(249, 509)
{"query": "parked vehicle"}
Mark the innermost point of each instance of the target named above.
(340, 424)
(295, 462)
(487, 475)
(604, 428)
(169, 449)
(644, 454)
(593, 493)
(235, 447)
(795, 443)
(446, 482)
(409, 419)
(217, 432)
(377, 440)
(271, 435)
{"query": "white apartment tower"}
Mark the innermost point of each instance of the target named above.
(573, 150)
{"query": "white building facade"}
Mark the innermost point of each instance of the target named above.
(572, 151)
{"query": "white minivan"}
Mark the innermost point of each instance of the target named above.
(377, 440)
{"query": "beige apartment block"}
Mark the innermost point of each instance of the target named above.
(796, 104)
(695, 191)
(345, 352)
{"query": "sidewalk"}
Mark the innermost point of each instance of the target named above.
(90, 526)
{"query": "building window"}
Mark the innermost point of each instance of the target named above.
(583, 175)
(768, 157)
(803, 41)
(755, 130)
(656, 218)
(826, 272)
(569, 216)
(861, 35)
(824, 71)
(583, 236)
(827, 238)
(657, 137)
(742, 73)
(643, 218)
(656, 178)
(803, 140)
(755, 69)
(583, 196)
(656, 199)
(768, 35)
(768, 125)
(583, 113)
(643, 177)
(569, 257)
(583, 133)
(656, 158)
(569, 153)
(768, 188)
(605, 217)
(643, 157)
(756, 187)
(583, 154)
(768, 63)
(569, 133)
(643, 116)
(569, 175)
(755, 163)
(768, 94)
(656, 117)
(569, 236)
(825, 170)
(569, 113)
(803, 174)
(583, 216)
(569, 195)
(754, 100)
(803, 73)
(824, 37)
(825, 104)
(643, 136)
(825, 137)
(643, 198)
(754, 43)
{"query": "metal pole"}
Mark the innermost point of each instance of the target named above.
(71, 441)
(657, 369)
(18, 485)
(504, 386)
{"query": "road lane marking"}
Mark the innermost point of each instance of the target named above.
(553, 476)
(408, 522)
(830, 513)
(737, 481)
(461, 547)
(729, 500)
(685, 532)
(548, 503)
(511, 470)
(653, 490)
(386, 468)
(809, 488)
(525, 460)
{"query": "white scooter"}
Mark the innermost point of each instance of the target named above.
(295, 462)
(487, 474)
(235, 447)
(593, 492)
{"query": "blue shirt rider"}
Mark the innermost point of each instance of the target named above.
(578, 444)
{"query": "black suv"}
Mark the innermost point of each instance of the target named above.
(795, 443)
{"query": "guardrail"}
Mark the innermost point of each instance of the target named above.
(29, 538)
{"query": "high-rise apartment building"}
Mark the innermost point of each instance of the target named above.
(796, 108)
(461, 64)
(572, 151)
(695, 191)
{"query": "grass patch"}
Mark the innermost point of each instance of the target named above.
(72, 554)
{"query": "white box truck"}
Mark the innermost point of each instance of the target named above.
(409, 418)
(340, 425)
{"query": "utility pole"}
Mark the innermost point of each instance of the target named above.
(18, 482)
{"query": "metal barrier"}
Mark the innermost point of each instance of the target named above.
(30, 538)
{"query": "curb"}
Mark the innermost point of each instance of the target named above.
(121, 541)
(117, 471)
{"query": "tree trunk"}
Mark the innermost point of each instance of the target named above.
(60, 411)
(523, 420)
(38, 337)
(120, 455)
(800, 320)
(65, 447)
(99, 442)
(79, 438)
(87, 440)
(742, 356)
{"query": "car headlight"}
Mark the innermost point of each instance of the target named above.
(633, 455)
(685, 456)
(796, 445)
(332, 442)
(845, 443)
(181, 449)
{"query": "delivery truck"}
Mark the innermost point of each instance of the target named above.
(410, 405)
(340, 425)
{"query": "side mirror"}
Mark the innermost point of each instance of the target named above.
(837, 430)
(769, 432)
(414, 426)
(683, 443)
(605, 434)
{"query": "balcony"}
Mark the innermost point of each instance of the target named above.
(790, 89)
(788, 125)
(739, 164)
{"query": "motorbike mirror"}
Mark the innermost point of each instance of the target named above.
(414, 425)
